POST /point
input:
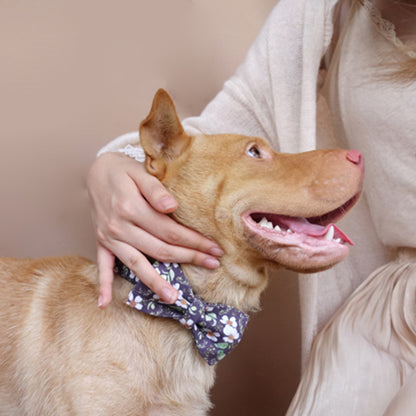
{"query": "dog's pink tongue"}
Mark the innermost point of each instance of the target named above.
(303, 226)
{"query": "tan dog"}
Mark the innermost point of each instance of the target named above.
(61, 355)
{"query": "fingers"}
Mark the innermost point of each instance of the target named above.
(175, 239)
(156, 200)
(123, 193)
(159, 236)
(141, 267)
(156, 247)
(129, 209)
(105, 261)
(156, 194)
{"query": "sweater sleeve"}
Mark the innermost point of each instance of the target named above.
(273, 93)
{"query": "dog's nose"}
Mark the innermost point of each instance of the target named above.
(354, 156)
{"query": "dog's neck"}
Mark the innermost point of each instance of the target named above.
(231, 284)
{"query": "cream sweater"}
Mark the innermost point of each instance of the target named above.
(275, 94)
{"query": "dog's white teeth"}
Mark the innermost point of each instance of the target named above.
(330, 234)
(337, 240)
(265, 223)
(289, 231)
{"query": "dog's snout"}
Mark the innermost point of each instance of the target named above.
(354, 156)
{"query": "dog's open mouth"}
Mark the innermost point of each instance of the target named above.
(303, 238)
(321, 227)
(290, 225)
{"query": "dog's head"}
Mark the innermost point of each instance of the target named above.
(261, 206)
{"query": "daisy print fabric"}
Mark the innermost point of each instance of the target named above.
(217, 328)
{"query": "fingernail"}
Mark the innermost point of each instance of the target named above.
(169, 295)
(100, 301)
(168, 203)
(211, 263)
(216, 251)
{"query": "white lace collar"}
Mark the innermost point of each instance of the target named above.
(386, 28)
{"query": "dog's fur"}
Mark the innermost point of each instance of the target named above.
(61, 355)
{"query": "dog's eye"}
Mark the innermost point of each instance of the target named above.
(254, 151)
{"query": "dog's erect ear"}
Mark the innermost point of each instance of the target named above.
(161, 135)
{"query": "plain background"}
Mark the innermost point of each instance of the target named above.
(73, 75)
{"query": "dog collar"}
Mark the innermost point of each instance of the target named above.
(217, 328)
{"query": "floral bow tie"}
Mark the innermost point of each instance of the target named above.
(216, 328)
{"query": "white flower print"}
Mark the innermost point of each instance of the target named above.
(132, 276)
(231, 334)
(229, 321)
(135, 301)
(181, 302)
(177, 287)
(213, 336)
(187, 323)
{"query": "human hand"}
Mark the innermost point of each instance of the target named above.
(128, 209)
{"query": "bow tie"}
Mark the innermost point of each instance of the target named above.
(216, 328)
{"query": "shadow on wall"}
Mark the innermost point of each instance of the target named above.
(76, 74)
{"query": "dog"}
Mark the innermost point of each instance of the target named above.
(61, 355)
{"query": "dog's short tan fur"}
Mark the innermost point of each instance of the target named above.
(61, 355)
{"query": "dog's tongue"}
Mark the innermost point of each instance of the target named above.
(303, 226)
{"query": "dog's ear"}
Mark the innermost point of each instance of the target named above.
(161, 135)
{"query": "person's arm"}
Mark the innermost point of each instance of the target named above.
(264, 98)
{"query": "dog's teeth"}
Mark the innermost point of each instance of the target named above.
(330, 234)
(265, 223)
(277, 228)
(289, 231)
(269, 225)
(337, 240)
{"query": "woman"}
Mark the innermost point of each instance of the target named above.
(321, 73)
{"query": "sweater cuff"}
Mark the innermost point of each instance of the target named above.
(121, 142)
(134, 152)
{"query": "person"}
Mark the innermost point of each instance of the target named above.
(322, 73)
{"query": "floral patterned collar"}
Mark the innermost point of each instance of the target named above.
(216, 328)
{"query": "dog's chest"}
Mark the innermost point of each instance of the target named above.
(161, 366)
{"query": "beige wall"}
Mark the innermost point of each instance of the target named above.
(73, 75)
